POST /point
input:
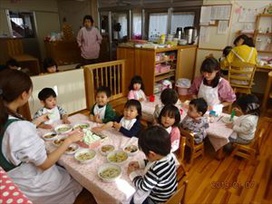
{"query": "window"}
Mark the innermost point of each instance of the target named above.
(182, 19)
(137, 26)
(21, 24)
(157, 25)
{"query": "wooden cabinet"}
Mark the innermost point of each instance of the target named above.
(155, 65)
(263, 33)
(63, 52)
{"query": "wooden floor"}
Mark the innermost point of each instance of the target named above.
(232, 180)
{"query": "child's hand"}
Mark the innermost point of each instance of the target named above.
(40, 119)
(97, 119)
(117, 126)
(141, 99)
(133, 166)
(66, 121)
(75, 136)
(97, 129)
(91, 117)
(230, 125)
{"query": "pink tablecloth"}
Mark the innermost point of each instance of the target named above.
(86, 174)
(9, 192)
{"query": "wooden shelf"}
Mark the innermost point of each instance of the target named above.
(163, 61)
(164, 75)
(264, 33)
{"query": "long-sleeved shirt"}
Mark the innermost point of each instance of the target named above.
(159, 180)
(89, 41)
(133, 131)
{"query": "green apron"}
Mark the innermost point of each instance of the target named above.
(5, 164)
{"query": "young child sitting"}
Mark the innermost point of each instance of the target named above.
(159, 182)
(169, 119)
(168, 97)
(244, 127)
(102, 112)
(136, 89)
(194, 120)
(48, 99)
(129, 124)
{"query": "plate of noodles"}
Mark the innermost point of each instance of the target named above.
(109, 172)
(85, 155)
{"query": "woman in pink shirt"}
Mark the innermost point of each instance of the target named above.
(211, 86)
(89, 40)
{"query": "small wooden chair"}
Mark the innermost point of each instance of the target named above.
(252, 150)
(179, 195)
(181, 151)
(196, 149)
(240, 76)
(268, 92)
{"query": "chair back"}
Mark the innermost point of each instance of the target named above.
(179, 195)
(252, 150)
(196, 149)
(241, 75)
(268, 91)
(181, 150)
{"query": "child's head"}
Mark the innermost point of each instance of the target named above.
(197, 108)
(49, 65)
(48, 97)
(169, 116)
(14, 84)
(88, 21)
(12, 64)
(210, 69)
(136, 83)
(103, 94)
(240, 40)
(226, 51)
(132, 109)
(249, 104)
(154, 140)
(169, 96)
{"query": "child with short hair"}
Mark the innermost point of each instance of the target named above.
(136, 89)
(195, 121)
(244, 127)
(159, 182)
(169, 119)
(50, 65)
(129, 123)
(102, 112)
(168, 97)
(48, 99)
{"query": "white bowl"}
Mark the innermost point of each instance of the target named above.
(106, 149)
(131, 149)
(72, 149)
(85, 155)
(226, 119)
(117, 157)
(81, 126)
(50, 136)
(63, 129)
(57, 142)
(109, 172)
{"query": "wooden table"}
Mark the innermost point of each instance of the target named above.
(120, 191)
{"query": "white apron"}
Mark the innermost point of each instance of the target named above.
(53, 115)
(127, 124)
(100, 111)
(209, 93)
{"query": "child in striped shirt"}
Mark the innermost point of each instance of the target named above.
(159, 182)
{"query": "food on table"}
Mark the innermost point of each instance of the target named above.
(82, 126)
(58, 142)
(71, 149)
(90, 137)
(63, 129)
(117, 157)
(107, 148)
(49, 135)
(85, 156)
(110, 173)
(131, 148)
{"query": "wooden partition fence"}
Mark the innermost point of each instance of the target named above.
(110, 74)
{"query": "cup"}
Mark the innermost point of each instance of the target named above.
(152, 98)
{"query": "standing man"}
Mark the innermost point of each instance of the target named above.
(89, 40)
